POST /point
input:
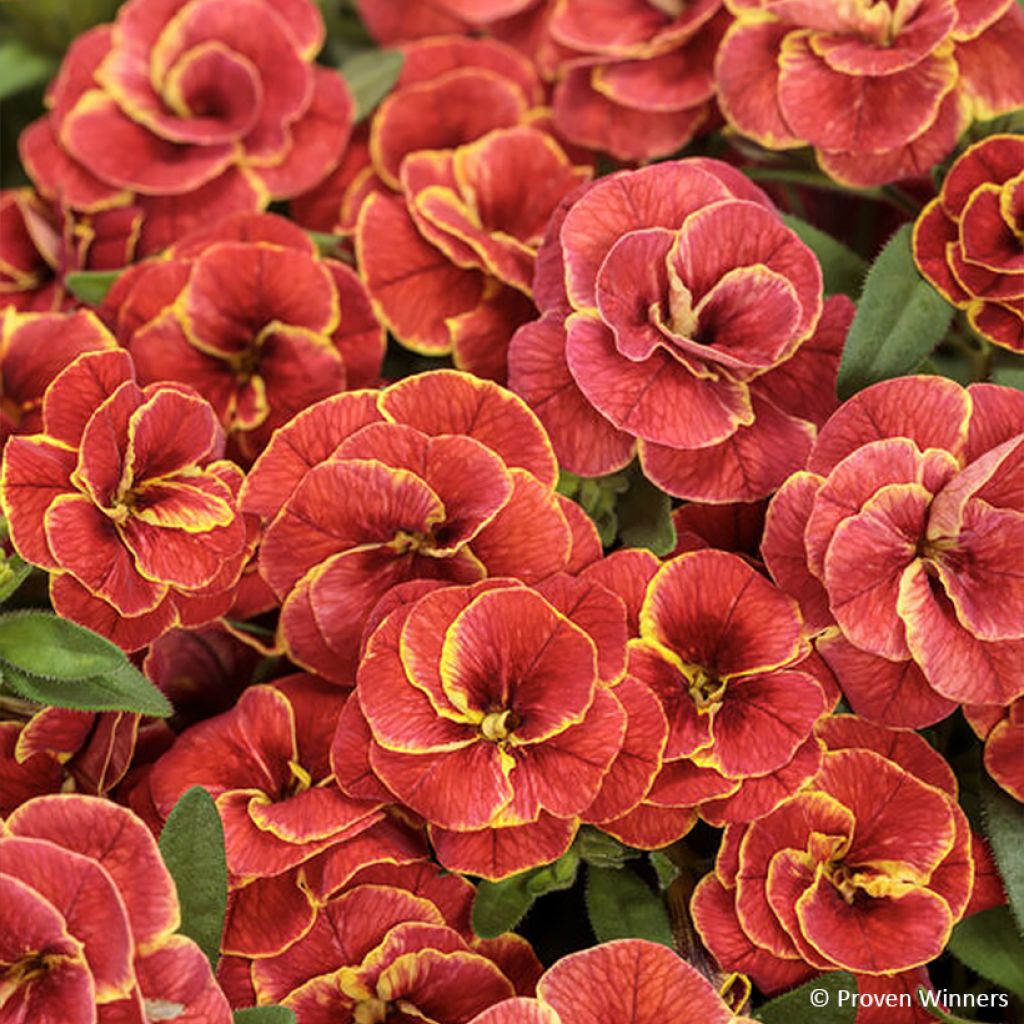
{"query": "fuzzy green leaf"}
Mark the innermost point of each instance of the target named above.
(192, 846)
(91, 286)
(371, 75)
(819, 1001)
(900, 319)
(265, 1015)
(1003, 819)
(124, 689)
(21, 67)
(621, 906)
(989, 944)
(14, 570)
(602, 850)
(44, 644)
(499, 906)
(842, 269)
(645, 517)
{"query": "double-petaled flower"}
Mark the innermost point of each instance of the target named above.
(90, 918)
(969, 240)
(124, 500)
(248, 315)
(440, 476)
(190, 110)
(880, 90)
(904, 539)
(683, 320)
(867, 869)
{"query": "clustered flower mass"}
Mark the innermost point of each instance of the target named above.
(502, 457)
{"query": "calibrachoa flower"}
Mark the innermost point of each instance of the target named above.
(450, 265)
(880, 90)
(440, 476)
(34, 348)
(40, 242)
(393, 21)
(123, 499)
(490, 711)
(968, 240)
(906, 535)
(378, 953)
(89, 923)
(265, 763)
(190, 110)
(1002, 730)
(247, 314)
(684, 320)
(723, 651)
(866, 870)
(635, 79)
(630, 981)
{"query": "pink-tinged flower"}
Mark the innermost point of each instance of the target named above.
(681, 319)
(735, 528)
(635, 79)
(630, 981)
(399, 21)
(440, 476)
(969, 240)
(248, 315)
(492, 712)
(904, 539)
(35, 348)
(1002, 731)
(723, 651)
(881, 91)
(450, 264)
(123, 499)
(378, 952)
(190, 111)
(867, 869)
(90, 916)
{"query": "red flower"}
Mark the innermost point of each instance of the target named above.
(508, 688)
(1002, 730)
(377, 952)
(635, 79)
(866, 870)
(289, 330)
(398, 21)
(189, 110)
(658, 287)
(123, 500)
(904, 538)
(440, 476)
(880, 91)
(631, 981)
(34, 348)
(967, 241)
(90, 915)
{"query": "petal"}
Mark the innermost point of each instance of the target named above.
(76, 393)
(179, 973)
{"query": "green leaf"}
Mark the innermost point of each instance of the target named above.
(900, 319)
(43, 644)
(371, 74)
(664, 868)
(989, 944)
(91, 286)
(21, 68)
(837, 1005)
(621, 906)
(645, 517)
(937, 1012)
(14, 570)
(1003, 819)
(265, 1015)
(500, 906)
(601, 850)
(841, 267)
(124, 689)
(192, 846)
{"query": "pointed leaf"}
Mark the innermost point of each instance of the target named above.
(601, 850)
(14, 570)
(91, 286)
(828, 999)
(842, 269)
(1004, 826)
(44, 644)
(371, 74)
(500, 906)
(621, 906)
(192, 846)
(989, 944)
(900, 319)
